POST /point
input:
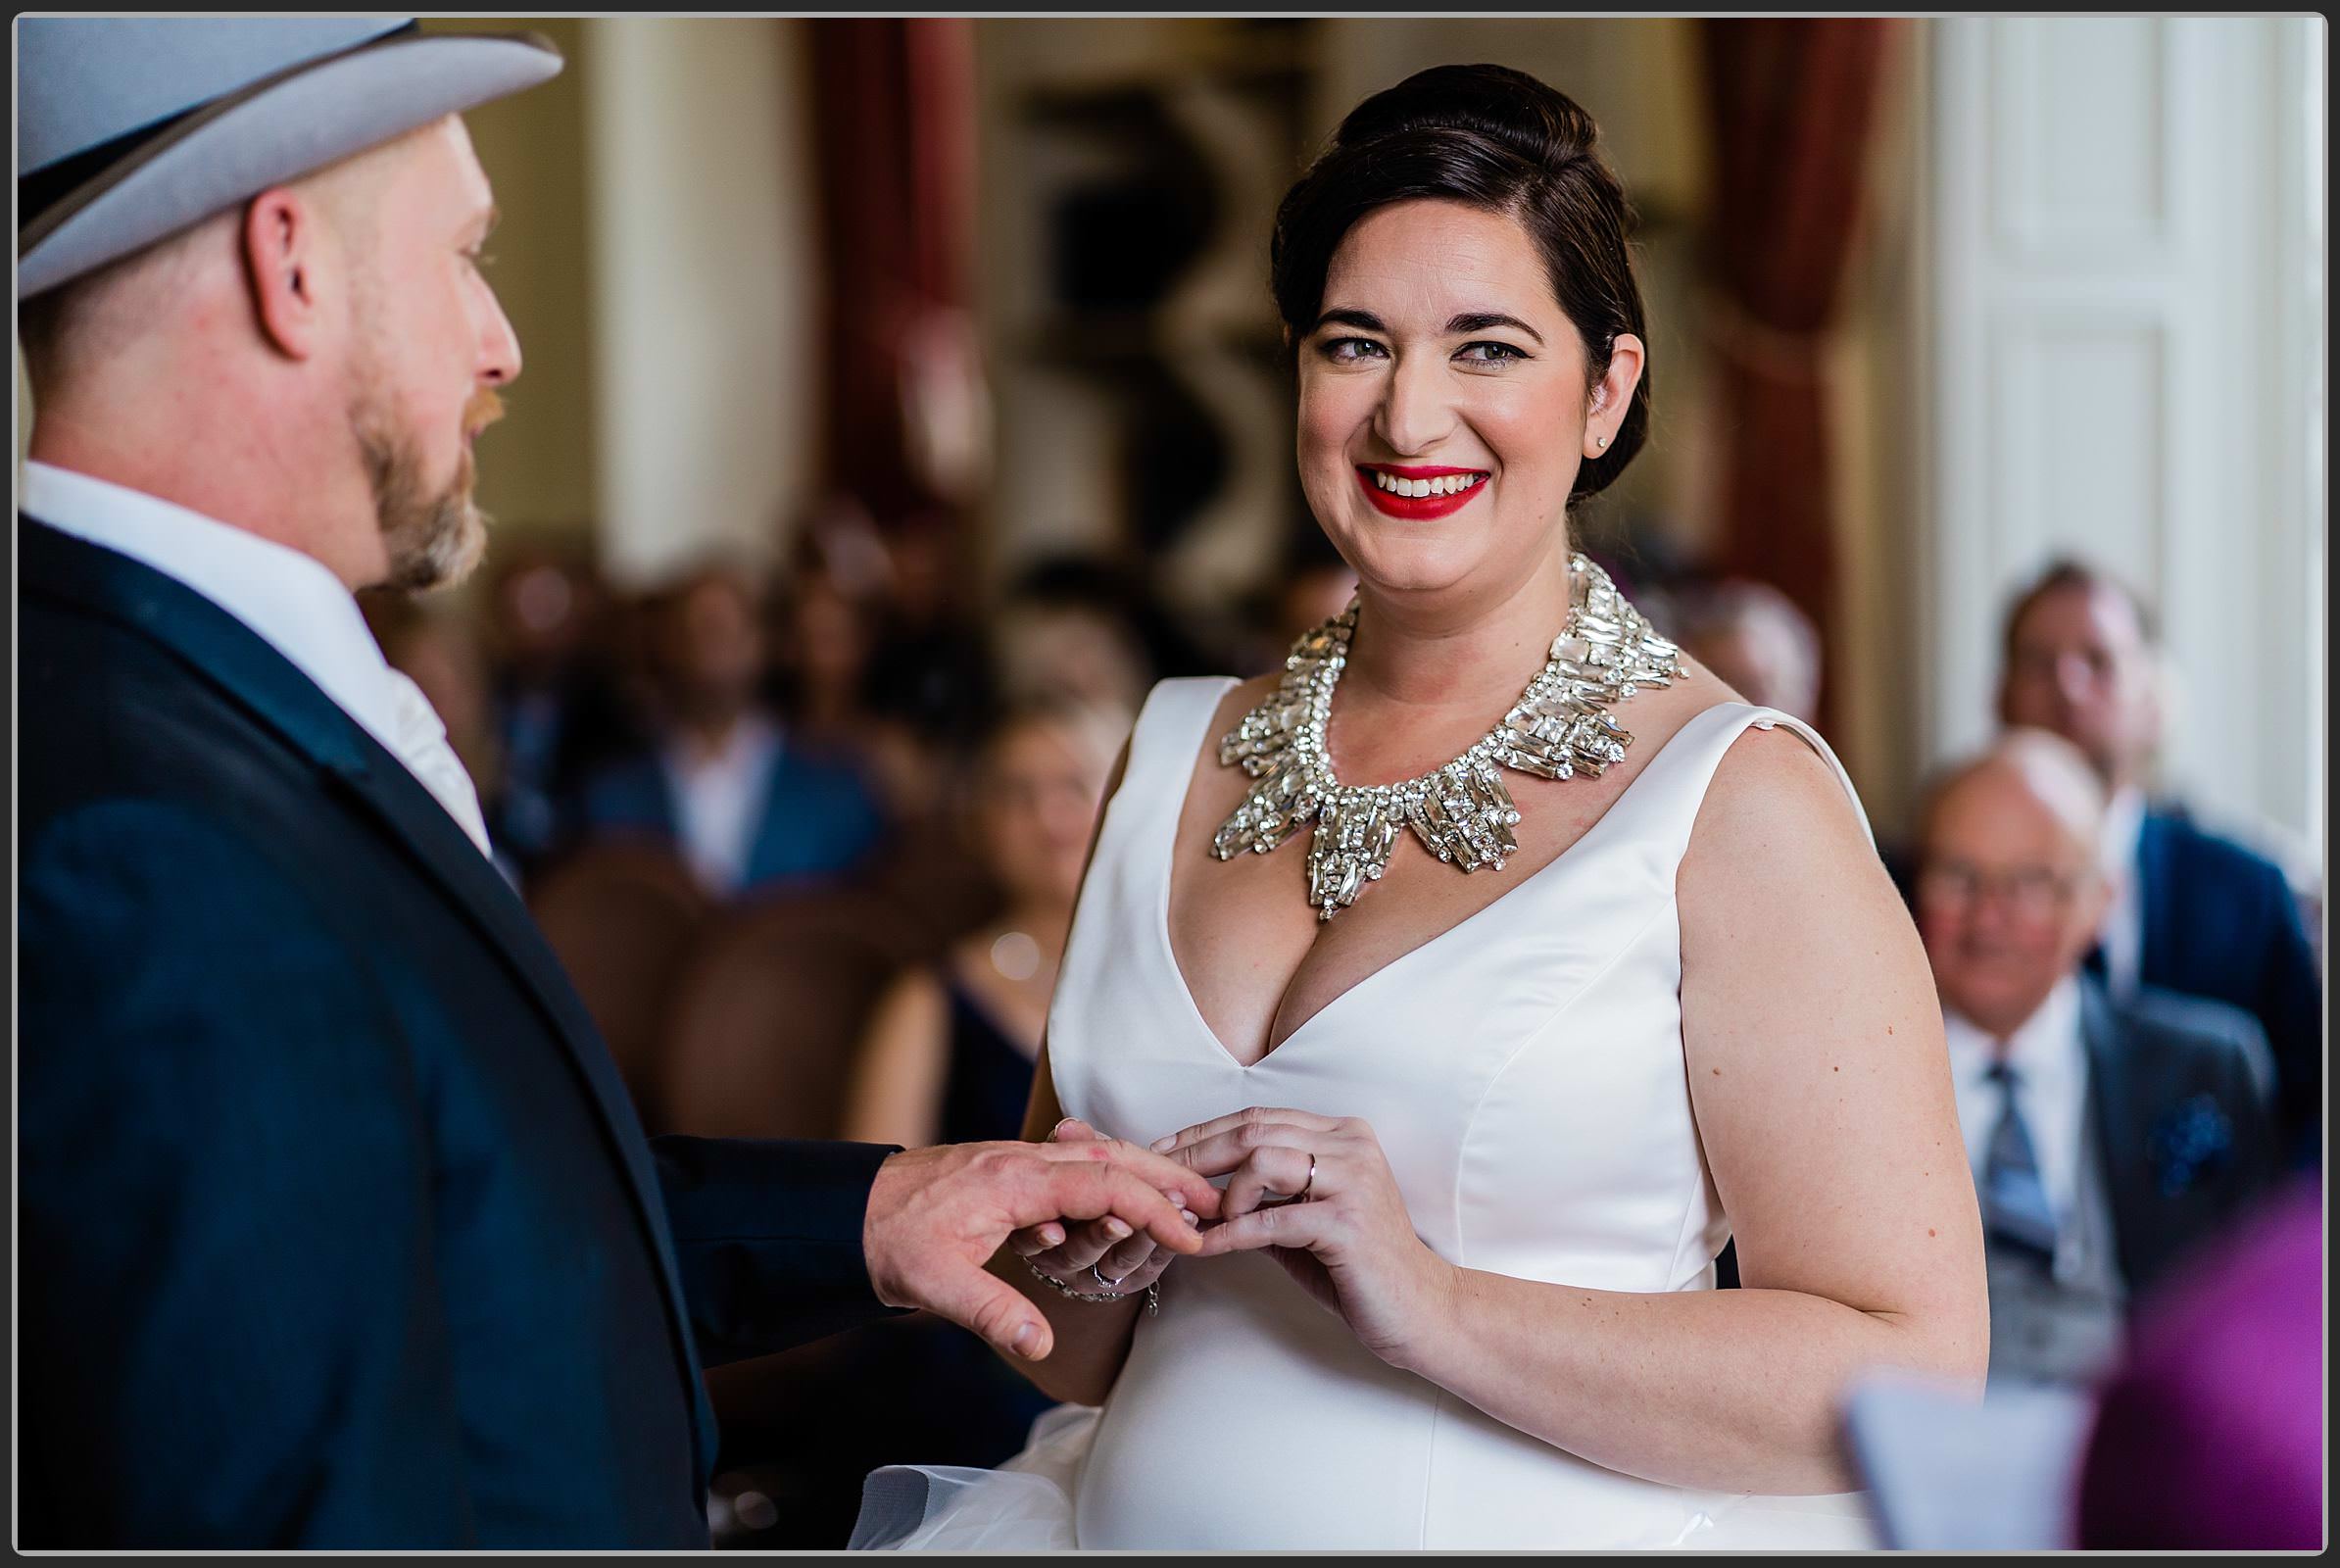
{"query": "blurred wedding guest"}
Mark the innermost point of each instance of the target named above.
(950, 1054)
(1073, 629)
(931, 661)
(2191, 910)
(825, 635)
(2107, 1136)
(1754, 637)
(949, 1051)
(557, 707)
(743, 801)
(2211, 1435)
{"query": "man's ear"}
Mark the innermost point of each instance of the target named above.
(284, 266)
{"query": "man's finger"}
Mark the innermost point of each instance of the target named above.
(978, 1300)
(1084, 1191)
(1179, 1184)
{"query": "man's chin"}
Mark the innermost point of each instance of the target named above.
(469, 547)
(451, 552)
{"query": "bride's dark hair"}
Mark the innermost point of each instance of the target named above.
(1497, 139)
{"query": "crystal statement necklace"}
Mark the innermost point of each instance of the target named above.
(1559, 727)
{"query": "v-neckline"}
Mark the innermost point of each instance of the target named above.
(1178, 973)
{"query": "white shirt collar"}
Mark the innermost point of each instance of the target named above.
(2051, 1066)
(2123, 829)
(2124, 933)
(288, 599)
(719, 800)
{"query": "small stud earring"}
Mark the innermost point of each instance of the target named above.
(1602, 439)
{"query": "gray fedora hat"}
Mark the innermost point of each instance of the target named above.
(131, 128)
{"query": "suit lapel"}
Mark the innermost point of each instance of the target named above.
(231, 657)
(2155, 960)
(2119, 1135)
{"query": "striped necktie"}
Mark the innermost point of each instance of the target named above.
(2015, 1204)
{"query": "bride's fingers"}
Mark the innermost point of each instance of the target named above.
(1217, 1125)
(1296, 1225)
(1144, 1274)
(1225, 1151)
(1271, 1175)
(1125, 1259)
(1035, 1240)
(1085, 1242)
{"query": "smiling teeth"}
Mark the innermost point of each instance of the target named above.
(1444, 485)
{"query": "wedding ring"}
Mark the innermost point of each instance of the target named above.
(1309, 1186)
(1111, 1285)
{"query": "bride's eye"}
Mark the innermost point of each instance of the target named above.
(1350, 350)
(1490, 352)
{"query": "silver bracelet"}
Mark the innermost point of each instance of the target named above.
(1154, 1293)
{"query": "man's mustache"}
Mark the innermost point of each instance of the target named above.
(484, 410)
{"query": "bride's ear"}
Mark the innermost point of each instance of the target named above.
(1613, 393)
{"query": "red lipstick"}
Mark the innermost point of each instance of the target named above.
(1417, 508)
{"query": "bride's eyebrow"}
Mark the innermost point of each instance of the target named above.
(1481, 321)
(1469, 321)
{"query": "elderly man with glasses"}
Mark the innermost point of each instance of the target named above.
(2106, 1137)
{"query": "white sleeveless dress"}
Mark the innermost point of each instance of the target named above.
(1523, 1073)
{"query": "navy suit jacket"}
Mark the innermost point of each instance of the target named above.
(2220, 923)
(2180, 1089)
(336, 1227)
(818, 817)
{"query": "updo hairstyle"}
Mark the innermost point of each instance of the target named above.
(1500, 140)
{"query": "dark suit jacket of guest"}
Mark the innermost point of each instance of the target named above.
(2180, 1091)
(336, 1227)
(817, 818)
(2220, 923)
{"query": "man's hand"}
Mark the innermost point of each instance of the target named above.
(1129, 1260)
(937, 1217)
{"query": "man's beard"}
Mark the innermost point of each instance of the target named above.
(431, 539)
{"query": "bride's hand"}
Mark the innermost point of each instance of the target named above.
(1123, 1261)
(1317, 1192)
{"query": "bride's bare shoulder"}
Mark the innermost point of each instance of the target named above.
(1776, 816)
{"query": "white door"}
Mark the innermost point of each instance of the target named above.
(2127, 366)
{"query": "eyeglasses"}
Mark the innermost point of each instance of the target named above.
(2034, 893)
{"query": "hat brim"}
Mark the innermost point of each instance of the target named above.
(1949, 1473)
(278, 131)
